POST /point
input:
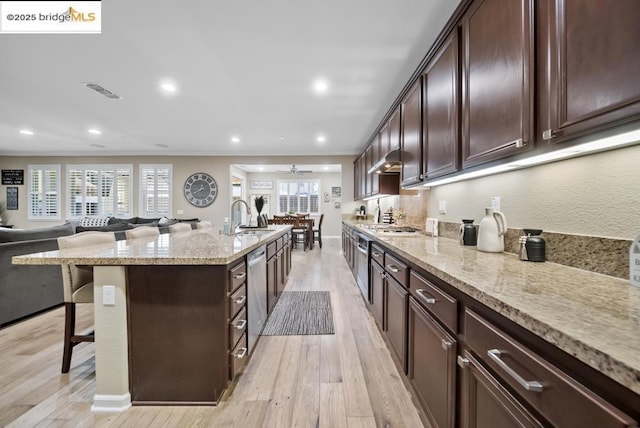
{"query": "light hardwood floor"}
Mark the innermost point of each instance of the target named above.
(343, 380)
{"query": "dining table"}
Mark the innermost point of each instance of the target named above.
(298, 222)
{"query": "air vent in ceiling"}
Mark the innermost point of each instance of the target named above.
(99, 89)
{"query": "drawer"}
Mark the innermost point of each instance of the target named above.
(440, 304)
(237, 276)
(560, 399)
(238, 357)
(377, 254)
(237, 327)
(272, 249)
(237, 300)
(396, 269)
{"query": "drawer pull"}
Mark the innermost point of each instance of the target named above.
(240, 325)
(446, 345)
(393, 268)
(463, 363)
(241, 300)
(240, 275)
(241, 354)
(531, 385)
(376, 254)
(429, 300)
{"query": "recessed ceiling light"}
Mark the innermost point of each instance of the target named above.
(94, 131)
(168, 87)
(26, 132)
(326, 168)
(320, 86)
(235, 139)
(282, 138)
(260, 168)
(321, 139)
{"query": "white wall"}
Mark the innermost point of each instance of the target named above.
(597, 195)
(183, 166)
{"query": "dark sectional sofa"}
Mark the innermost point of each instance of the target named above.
(28, 289)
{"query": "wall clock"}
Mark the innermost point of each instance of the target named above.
(200, 189)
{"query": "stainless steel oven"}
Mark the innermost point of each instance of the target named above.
(362, 266)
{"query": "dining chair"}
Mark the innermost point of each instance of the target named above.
(180, 227)
(317, 231)
(299, 232)
(78, 288)
(141, 232)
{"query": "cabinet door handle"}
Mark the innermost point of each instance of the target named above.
(463, 363)
(241, 300)
(376, 254)
(446, 345)
(529, 385)
(240, 325)
(241, 354)
(393, 268)
(429, 300)
(548, 134)
(240, 275)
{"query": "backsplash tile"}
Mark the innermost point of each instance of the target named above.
(607, 256)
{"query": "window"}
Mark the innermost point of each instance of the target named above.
(156, 184)
(44, 192)
(300, 196)
(99, 190)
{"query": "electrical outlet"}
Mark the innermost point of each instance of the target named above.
(442, 207)
(495, 203)
(109, 295)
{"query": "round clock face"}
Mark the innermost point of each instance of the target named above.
(200, 189)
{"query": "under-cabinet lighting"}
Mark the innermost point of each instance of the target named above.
(26, 132)
(601, 144)
(94, 131)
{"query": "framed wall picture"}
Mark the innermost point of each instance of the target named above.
(12, 198)
(336, 192)
(261, 184)
(12, 176)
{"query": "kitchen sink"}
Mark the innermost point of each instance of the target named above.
(254, 231)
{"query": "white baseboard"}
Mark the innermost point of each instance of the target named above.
(111, 403)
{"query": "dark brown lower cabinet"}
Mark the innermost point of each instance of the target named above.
(272, 277)
(378, 286)
(432, 366)
(486, 403)
(396, 316)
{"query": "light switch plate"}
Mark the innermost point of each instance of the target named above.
(442, 207)
(495, 203)
(109, 295)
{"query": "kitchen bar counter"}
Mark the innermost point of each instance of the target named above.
(195, 247)
(593, 317)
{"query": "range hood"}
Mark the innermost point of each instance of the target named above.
(391, 162)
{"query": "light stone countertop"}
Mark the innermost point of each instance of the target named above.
(594, 317)
(195, 247)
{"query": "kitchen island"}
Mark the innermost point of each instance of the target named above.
(571, 328)
(168, 335)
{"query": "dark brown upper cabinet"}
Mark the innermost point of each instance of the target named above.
(411, 135)
(394, 130)
(590, 66)
(383, 137)
(497, 80)
(440, 110)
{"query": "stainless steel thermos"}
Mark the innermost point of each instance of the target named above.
(468, 233)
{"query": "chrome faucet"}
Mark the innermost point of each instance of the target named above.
(235, 225)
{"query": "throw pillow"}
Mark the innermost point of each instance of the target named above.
(94, 221)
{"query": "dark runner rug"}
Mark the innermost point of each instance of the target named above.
(301, 313)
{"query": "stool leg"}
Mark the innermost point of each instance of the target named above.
(69, 332)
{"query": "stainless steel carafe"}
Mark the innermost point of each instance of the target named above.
(468, 233)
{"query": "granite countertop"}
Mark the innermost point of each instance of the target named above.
(195, 247)
(594, 317)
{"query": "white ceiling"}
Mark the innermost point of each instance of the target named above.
(242, 69)
(287, 169)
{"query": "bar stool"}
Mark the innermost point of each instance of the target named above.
(141, 232)
(78, 288)
(179, 227)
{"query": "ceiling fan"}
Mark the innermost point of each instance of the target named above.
(295, 170)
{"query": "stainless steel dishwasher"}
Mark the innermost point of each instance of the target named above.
(256, 294)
